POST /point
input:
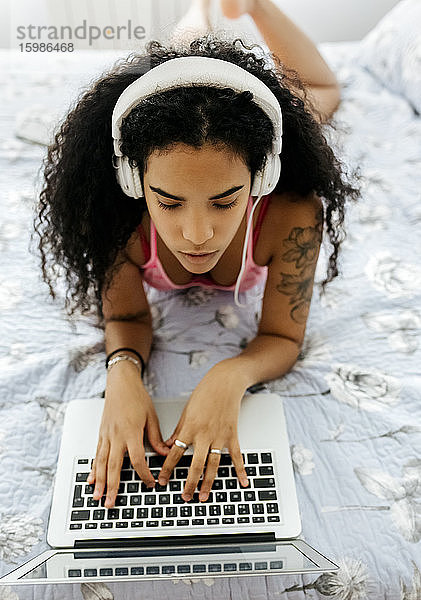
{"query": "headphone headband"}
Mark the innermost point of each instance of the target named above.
(200, 70)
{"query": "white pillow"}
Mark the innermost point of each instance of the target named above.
(392, 51)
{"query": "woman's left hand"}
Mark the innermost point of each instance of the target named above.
(209, 420)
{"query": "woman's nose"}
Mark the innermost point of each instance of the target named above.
(197, 231)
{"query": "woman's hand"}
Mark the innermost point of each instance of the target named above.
(209, 420)
(128, 409)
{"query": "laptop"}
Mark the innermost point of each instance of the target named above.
(152, 533)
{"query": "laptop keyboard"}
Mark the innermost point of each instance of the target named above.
(137, 506)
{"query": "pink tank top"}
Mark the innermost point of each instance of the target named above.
(153, 272)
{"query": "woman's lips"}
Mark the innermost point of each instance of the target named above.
(198, 258)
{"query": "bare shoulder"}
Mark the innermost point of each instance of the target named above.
(133, 252)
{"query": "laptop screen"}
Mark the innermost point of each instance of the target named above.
(70, 566)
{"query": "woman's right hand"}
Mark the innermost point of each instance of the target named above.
(128, 409)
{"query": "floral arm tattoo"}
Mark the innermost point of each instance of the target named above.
(302, 247)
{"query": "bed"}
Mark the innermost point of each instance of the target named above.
(352, 401)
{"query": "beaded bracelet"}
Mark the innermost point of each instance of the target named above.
(130, 350)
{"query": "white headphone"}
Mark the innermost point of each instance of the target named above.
(212, 72)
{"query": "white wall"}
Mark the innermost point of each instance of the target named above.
(322, 20)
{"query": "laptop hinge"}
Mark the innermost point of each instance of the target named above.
(177, 540)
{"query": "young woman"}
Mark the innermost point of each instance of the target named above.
(197, 151)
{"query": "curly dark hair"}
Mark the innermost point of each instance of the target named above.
(84, 219)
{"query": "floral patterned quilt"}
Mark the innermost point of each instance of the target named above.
(352, 401)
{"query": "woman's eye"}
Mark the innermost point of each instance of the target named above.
(167, 206)
(230, 205)
(221, 206)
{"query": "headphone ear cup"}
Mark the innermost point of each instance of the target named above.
(128, 178)
(265, 181)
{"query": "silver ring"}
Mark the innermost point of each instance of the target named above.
(215, 451)
(180, 444)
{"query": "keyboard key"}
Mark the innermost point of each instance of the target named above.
(106, 572)
(214, 568)
(273, 519)
(260, 566)
(83, 461)
(272, 507)
(142, 513)
(225, 459)
(243, 519)
(99, 514)
(227, 520)
(266, 470)
(127, 513)
(121, 501)
(168, 569)
(121, 571)
(266, 457)
(199, 568)
(185, 460)
(276, 564)
(135, 500)
(136, 524)
(91, 502)
(113, 513)
(235, 496)
(78, 503)
(249, 495)
(175, 486)
(164, 498)
(156, 461)
(132, 487)
(160, 488)
(126, 463)
(185, 511)
(212, 521)
(137, 571)
(252, 458)
(267, 495)
(245, 566)
(258, 519)
(75, 573)
(75, 525)
(171, 511)
(243, 509)
(263, 482)
(214, 510)
(251, 472)
(198, 521)
(149, 499)
(258, 509)
(177, 499)
(181, 473)
(152, 523)
(152, 570)
(126, 475)
(223, 472)
(122, 524)
(220, 497)
(106, 525)
(218, 484)
(229, 509)
(82, 477)
(182, 522)
(91, 525)
(89, 489)
(167, 523)
(90, 572)
(200, 511)
(230, 567)
(231, 484)
(183, 569)
(80, 515)
(157, 512)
